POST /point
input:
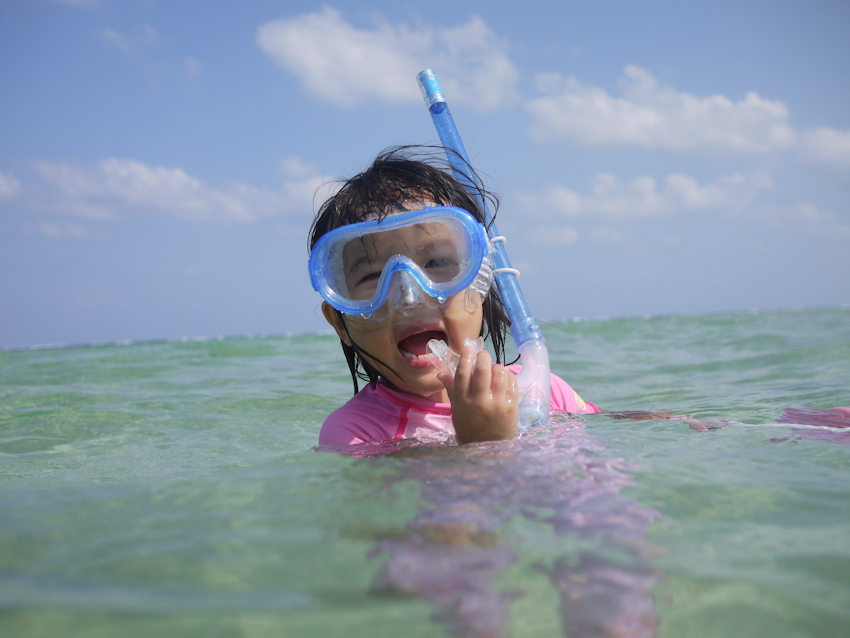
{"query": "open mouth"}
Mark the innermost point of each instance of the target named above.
(416, 346)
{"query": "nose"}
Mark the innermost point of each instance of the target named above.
(405, 295)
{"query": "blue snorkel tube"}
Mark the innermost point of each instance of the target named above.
(534, 378)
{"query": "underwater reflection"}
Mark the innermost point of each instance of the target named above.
(452, 553)
(828, 425)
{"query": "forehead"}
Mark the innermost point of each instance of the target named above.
(405, 202)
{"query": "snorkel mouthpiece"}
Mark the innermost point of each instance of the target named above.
(446, 358)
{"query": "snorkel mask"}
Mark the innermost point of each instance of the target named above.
(402, 264)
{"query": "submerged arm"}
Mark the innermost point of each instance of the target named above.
(701, 425)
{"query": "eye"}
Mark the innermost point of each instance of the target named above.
(438, 262)
(372, 276)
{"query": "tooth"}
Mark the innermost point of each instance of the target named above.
(411, 356)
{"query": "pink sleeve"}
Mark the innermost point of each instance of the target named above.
(338, 430)
(365, 417)
(565, 399)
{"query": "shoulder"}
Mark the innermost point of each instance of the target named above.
(368, 416)
(565, 399)
(374, 414)
(562, 397)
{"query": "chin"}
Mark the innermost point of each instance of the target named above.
(424, 387)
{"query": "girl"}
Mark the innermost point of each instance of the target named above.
(401, 258)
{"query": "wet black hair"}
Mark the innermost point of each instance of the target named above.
(397, 176)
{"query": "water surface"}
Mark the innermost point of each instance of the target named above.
(175, 488)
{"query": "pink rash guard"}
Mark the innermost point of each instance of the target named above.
(379, 413)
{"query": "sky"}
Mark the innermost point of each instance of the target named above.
(161, 162)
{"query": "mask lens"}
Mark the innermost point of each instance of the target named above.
(436, 249)
(440, 248)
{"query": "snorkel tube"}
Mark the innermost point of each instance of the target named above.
(534, 378)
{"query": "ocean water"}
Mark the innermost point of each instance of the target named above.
(175, 489)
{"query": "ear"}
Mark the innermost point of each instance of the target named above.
(336, 321)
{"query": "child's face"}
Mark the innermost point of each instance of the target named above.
(402, 344)
(399, 339)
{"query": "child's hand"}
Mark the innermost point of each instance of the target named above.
(485, 401)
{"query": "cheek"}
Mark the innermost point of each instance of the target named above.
(461, 319)
(454, 310)
(358, 324)
(376, 340)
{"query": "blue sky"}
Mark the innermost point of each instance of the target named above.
(159, 160)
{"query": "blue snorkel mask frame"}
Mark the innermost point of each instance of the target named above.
(327, 270)
(534, 379)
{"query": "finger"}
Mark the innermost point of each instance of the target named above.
(482, 376)
(504, 382)
(513, 389)
(498, 381)
(464, 370)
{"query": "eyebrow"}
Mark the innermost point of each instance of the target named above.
(358, 264)
(365, 259)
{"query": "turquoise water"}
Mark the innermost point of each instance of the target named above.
(173, 488)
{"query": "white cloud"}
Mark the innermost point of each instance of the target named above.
(135, 45)
(826, 147)
(191, 67)
(115, 188)
(153, 55)
(553, 236)
(63, 230)
(348, 66)
(655, 117)
(801, 211)
(728, 192)
(302, 182)
(9, 186)
(605, 235)
(640, 197)
(293, 167)
(806, 215)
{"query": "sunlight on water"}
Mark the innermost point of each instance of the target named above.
(174, 488)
